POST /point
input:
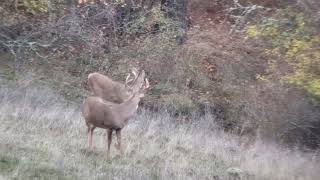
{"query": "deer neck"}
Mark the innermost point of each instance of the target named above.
(123, 93)
(129, 107)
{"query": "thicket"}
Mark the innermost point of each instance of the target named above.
(256, 68)
(293, 42)
(290, 44)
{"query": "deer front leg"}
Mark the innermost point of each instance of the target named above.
(109, 131)
(90, 134)
(118, 133)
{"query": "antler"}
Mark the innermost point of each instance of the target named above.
(128, 81)
(147, 85)
(134, 71)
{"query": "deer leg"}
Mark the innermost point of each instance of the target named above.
(109, 131)
(90, 134)
(118, 133)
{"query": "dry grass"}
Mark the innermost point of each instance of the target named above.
(44, 137)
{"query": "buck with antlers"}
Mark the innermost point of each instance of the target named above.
(104, 114)
(109, 90)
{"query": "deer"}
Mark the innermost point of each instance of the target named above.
(113, 91)
(111, 116)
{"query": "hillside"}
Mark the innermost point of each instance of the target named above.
(235, 88)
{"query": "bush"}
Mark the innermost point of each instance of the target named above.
(294, 38)
(285, 104)
(33, 6)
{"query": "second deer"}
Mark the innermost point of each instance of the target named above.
(113, 91)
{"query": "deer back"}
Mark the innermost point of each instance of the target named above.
(109, 90)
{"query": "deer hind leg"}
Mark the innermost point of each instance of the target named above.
(90, 134)
(109, 132)
(118, 133)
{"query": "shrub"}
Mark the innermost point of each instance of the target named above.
(285, 104)
(293, 38)
(34, 6)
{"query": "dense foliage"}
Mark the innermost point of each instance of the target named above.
(254, 64)
(294, 39)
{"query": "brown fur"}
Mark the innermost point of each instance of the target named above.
(109, 90)
(98, 112)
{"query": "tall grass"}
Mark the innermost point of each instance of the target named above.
(42, 136)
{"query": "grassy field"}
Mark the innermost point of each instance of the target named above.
(43, 136)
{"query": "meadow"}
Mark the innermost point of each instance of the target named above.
(43, 136)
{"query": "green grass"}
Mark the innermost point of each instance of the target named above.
(8, 164)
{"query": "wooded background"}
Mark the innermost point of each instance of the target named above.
(254, 64)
